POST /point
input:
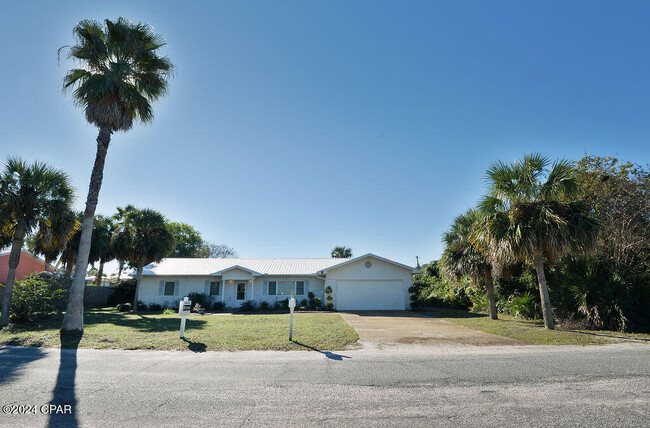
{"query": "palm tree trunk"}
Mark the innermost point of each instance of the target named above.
(100, 273)
(119, 271)
(74, 312)
(14, 259)
(547, 311)
(489, 286)
(138, 279)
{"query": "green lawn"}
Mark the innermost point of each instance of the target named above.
(533, 332)
(109, 329)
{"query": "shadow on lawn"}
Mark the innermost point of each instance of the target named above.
(328, 354)
(64, 394)
(195, 346)
(148, 324)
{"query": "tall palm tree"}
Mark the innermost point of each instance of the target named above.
(342, 252)
(32, 199)
(529, 219)
(143, 238)
(462, 257)
(121, 75)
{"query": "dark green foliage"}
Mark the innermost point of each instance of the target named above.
(36, 297)
(188, 240)
(200, 298)
(141, 306)
(329, 306)
(342, 252)
(121, 72)
(124, 307)
(526, 306)
(328, 290)
(155, 307)
(248, 306)
(264, 306)
(304, 303)
(605, 288)
(124, 292)
(219, 306)
(314, 302)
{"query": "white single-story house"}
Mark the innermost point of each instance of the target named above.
(368, 282)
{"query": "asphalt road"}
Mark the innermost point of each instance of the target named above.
(413, 386)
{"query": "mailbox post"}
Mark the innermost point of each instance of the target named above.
(292, 305)
(184, 308)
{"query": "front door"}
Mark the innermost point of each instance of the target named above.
(241, 291)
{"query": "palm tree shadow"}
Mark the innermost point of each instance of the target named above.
(63, 406)
(195, 346)
(328, 354)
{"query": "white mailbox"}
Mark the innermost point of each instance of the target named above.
(292, 305)
(184, 308)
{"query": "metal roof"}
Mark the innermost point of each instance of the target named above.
(203, 267)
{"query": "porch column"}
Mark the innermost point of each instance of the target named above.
(223, 290)
(252, 285)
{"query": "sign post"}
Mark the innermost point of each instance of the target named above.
(292, 305)
(184, 308)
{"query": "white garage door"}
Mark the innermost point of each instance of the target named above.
(369, 295)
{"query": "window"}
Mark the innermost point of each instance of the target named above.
(169, 288)
(241, 291)
(285, 288)
(214, 288)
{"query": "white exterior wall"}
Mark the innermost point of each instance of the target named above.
(379, 270)
(149, 288)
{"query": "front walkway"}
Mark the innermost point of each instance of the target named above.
(393, 328)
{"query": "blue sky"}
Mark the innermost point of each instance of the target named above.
(294, 126)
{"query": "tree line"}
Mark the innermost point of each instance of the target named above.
(557, 240)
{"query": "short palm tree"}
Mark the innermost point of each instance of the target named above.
(143, 238)
(342, 252)
(101, 250)
(121, 75)
(529, 219)
(118, 221)
(462, 257)
(50, 242)
(33, 198)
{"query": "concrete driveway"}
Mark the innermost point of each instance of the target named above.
(393, 328)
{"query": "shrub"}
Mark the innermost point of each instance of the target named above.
(328, 290)
(155, 307)
(124, 292)
(329, 306)
(37, 297)
(200, 298)
(264, 306)
(219, 306)
(248, 306)
(314, 302)
(303, 303)
(141, 306)
(525, 306)
(169, 311)
(124, 307)
(284, 304)
(277, 306)
(328, 298)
